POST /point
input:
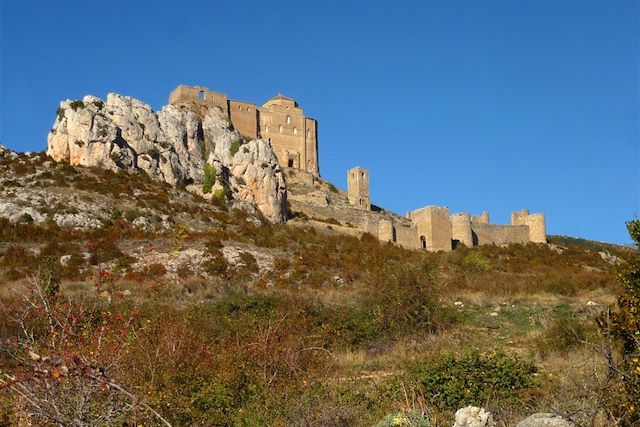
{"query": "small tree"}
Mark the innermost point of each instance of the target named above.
(209, 178)
(622, 326)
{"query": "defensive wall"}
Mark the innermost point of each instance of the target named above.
(432, 228)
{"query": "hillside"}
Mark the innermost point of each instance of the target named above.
(211, 315)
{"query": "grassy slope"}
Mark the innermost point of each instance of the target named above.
(330, 330)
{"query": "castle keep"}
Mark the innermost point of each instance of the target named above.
(280, 120)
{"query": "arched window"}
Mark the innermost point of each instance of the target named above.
(280, 129)
(288, 120)
(295, 131)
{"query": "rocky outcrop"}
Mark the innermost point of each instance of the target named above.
(6, 153)
(545, 420)
(472, 416)
(123, 133)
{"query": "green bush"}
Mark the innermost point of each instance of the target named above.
(474, 262)
(220, 198)
(235, 147)
(473, 379)
(132, 215)
(209, 178)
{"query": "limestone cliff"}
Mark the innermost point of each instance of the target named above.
(123, 133)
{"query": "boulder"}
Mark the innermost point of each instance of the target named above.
(545, 420)
(123, 133)
(472, 416)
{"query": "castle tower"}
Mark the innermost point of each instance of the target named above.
(434, 227)
(461, 228)
(358, 188)
(536, 223)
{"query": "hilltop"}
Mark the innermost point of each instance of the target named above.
(303, 323)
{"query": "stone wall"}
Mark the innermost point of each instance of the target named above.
(407, 236)
(433, 226)
(244, 116)
(484, 217)
(495, 234)
(293, 137)
(197, 98)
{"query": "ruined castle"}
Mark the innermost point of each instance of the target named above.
(280, 120)
(432, 228)
(294, 139)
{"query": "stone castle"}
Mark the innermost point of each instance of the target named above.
(294, 139)
(280, 120)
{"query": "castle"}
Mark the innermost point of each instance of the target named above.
(280, 120)
(432, 228)
(294, 139)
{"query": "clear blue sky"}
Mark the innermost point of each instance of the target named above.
(477, 105)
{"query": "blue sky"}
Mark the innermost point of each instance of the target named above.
(476, 105)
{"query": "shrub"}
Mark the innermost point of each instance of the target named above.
(563, 334)
(216, 263)
(623, 325)
(132, 215)
(473, 379)
(75, 105)
(209, 178)
(249, 261)
(60, 113)
(474, 262)
(220, 198)
(235, 147)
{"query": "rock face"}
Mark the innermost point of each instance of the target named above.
(544, 420)
(171, 146)
(472, 416)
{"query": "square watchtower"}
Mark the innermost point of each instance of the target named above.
(358, 188)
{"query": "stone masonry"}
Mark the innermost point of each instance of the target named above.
(280, 120)
(294, 139)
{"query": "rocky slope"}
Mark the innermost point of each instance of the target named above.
(172, 145)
